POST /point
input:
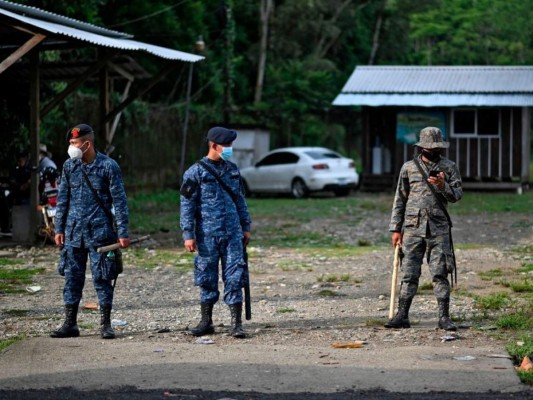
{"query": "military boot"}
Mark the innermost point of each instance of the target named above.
(106, 331)
(205, 327)
(444, 315)
(69, 327)
(236, 321)
(401, 319)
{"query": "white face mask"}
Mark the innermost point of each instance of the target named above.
(75, 152)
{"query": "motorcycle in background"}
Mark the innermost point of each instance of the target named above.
(48, 187)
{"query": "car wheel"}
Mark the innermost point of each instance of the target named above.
(299, 189)
(342, 192)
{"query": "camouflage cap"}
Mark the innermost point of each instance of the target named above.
(431, 138)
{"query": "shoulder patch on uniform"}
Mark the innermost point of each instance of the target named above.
(188, 188)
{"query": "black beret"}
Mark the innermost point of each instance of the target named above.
(78, 131)
(221, 135)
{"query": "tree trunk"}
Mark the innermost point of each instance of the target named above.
(265, 10)
(377, 32)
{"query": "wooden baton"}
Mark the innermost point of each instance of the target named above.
(115, 246)
(395, 268)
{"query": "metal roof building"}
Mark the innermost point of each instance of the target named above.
(446, 86)
(484, 112)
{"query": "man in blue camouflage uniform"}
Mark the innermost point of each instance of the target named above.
(421, 226)
(82, 226)
(217, 227)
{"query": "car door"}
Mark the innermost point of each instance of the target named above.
(274, 173)
(258, 178)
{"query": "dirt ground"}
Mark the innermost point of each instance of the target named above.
(298, 296)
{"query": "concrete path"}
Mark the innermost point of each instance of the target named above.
(91, 364)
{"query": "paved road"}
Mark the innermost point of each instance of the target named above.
(90, 368)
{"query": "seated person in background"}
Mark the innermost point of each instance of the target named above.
(20, 179)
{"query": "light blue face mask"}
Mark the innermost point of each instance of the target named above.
(226, 153)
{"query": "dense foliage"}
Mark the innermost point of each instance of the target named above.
(311, 48)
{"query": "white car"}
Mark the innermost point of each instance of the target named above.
(301, 170)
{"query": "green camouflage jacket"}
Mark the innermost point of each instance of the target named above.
(415, 208)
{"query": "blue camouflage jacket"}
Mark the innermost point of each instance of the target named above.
(79, 216)
(208, 209)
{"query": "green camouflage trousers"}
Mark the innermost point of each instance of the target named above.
(438, 257)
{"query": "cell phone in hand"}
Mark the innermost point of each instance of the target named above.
(434, 173)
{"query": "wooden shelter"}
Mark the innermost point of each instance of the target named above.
(483, 111)
(27, 32)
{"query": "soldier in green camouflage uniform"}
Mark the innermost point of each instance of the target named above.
(421, 227)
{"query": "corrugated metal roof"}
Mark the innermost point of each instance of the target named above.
(44, 15)
(445, 86)
(433, 100)
(443, 79)
(99, 39)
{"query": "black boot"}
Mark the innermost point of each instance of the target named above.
(236, 321)
(69, 327)
(205, 327)
(106, 331)
(401, 319)
(444, 315)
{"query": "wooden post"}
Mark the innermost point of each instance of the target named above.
(34, 142)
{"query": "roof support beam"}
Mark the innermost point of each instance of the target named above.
(34, 140)
(138, 93)
(21, 51)
(77, 83)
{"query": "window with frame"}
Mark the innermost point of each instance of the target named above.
(472, 122)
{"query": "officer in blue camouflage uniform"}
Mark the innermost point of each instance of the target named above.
(217, 227)
(82, 226)
(421, 227)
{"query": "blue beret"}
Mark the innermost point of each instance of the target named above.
(79, 131)
(221, 135)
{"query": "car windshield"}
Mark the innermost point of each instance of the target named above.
(317, 155)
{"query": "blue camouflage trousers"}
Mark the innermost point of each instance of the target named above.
(438, 256)
(74, 269)
(228, 250)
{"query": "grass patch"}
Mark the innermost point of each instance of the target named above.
(9, 261)
(470, 246)
(154, 212)
(327, 293)
(518, 286)
(340, 251)
(294, 266)
(490, 274)
(12, 279)
(478, 202)
(17, 313)
(282, 220)
(333, 278)
(285, 310)
(526, 269)
(5, 343)
(179, 259)
(524, 249)
(526, 377)
(518, 321)
(495, 301)
(425, 287)
(306, 210)
(518, 349)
